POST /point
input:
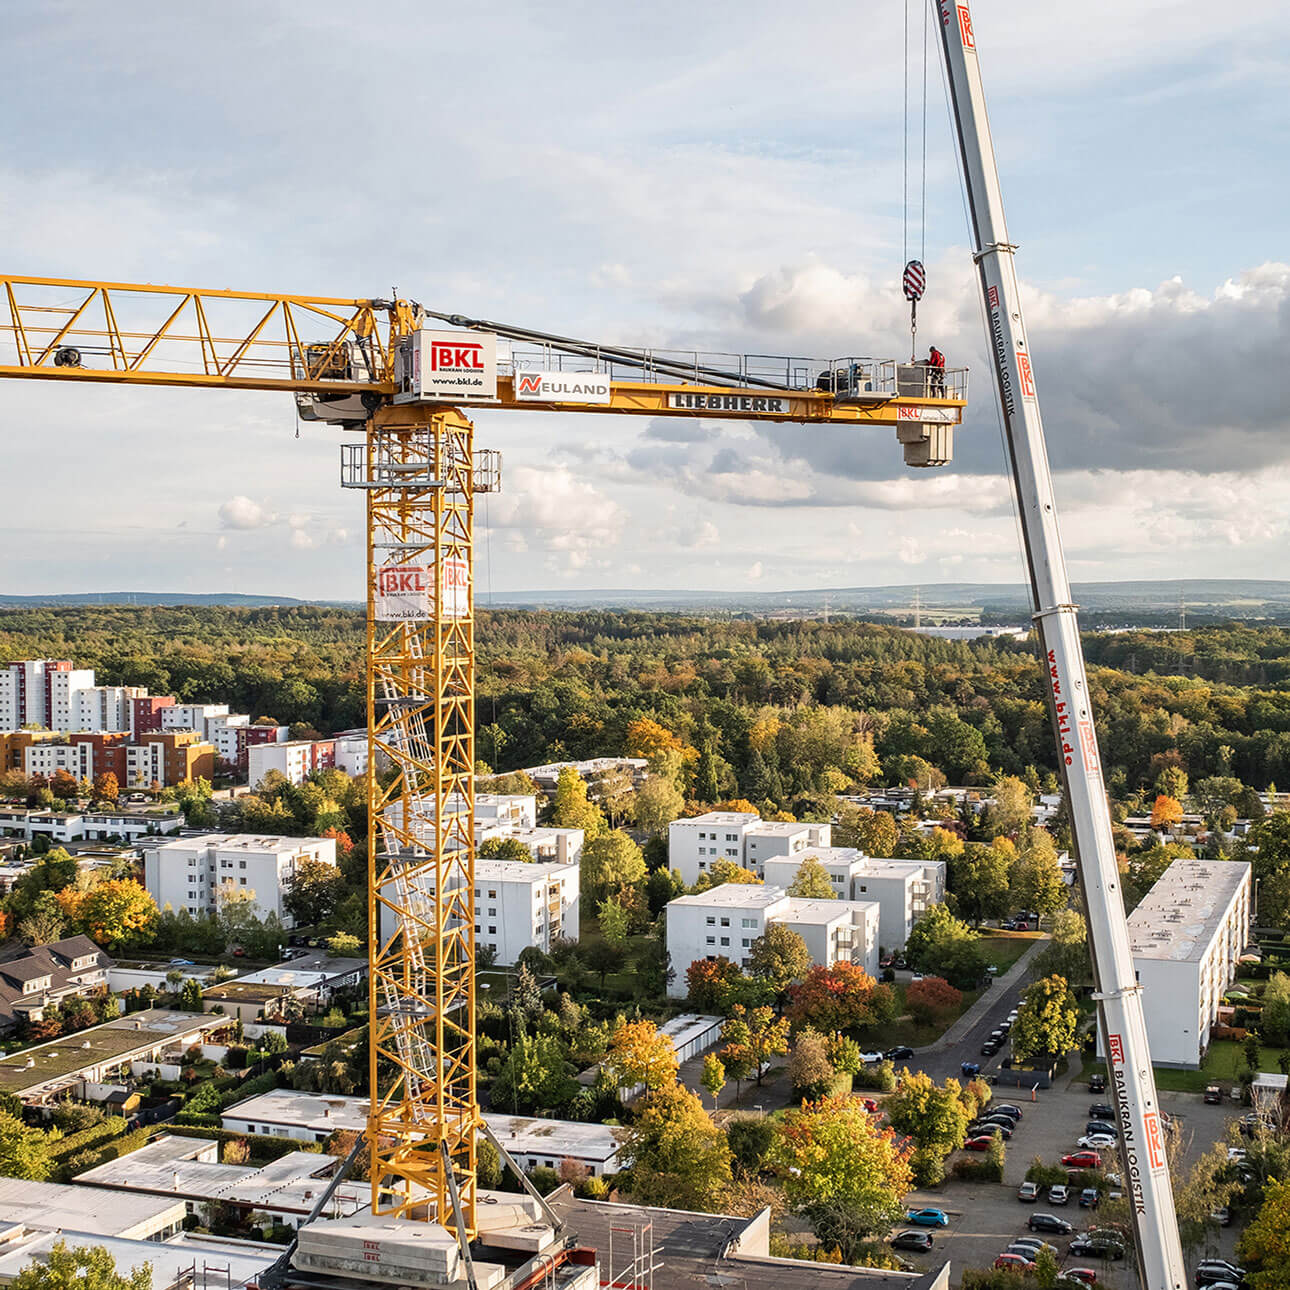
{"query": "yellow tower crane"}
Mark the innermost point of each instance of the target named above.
(381, 368)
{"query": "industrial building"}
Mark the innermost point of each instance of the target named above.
(726, 920)
(1187, 935)
(190, 873)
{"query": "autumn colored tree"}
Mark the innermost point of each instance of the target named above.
(934, 1116)
(873, 832)
(708, 982)
(809, 1069)
(1166, 814)
(812, 881)
(832, 998)
(313, 891)
(932, 999)
(63, 785)
(111, 912)
(655, 804)
(1266, 1242)
(639, 1054)
(755, 1034)
(680, 1159)
(724, 871)
(840, 1170)
(714, 1076)
(106, 788)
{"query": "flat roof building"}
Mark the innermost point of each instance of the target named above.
(55, 1206)
(1187, 935)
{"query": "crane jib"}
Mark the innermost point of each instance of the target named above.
(764, 403)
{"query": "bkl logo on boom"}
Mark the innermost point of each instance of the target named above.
(456, 354)
(403, 577)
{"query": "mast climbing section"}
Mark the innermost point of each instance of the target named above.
(1124, 1033)
(420, 472)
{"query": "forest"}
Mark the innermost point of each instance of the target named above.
(778, 709)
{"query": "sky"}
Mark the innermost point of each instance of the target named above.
(721, 176)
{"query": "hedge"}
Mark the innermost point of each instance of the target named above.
(114, 1150)
(261, 1145)
(83, 1139)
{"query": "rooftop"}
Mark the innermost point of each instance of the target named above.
(490, 870)
(1178, 918)
(802, 910)
(60, 1205)
(722, 817)
(29, 1068)
(733, 895)
(241, 842)
(301, 973)
(782, 828)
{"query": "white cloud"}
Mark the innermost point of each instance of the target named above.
(556, 510)
(243, 513)
(755, 571)
(300, 540)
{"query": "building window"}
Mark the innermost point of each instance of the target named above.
(732, 851)
(725, 940)
(241, 864)
(711, 940)
(732, 837)
(242, 881)
(711, 920)
(492, 931)
(492, 895)
(747, 922)
(492, 913)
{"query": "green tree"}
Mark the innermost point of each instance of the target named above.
(873, 832)
(935, 1117)
(1047, 1020)
(779, 956)
(714, 1076)
(841, 1170)
(613, 921)
(535, 1079)
(1036, 877)
(344, 945)
(504, 849)
(757, 1034)
(190, 996)
(24, 1151)
(609, 861)
(812, 881)
(680, 1159)
(572, 809)
(312, 892)
(1009, 813)
(1172, 782)
(82, 1267)
(640, 1054)
(809, 1069)
(655, 804)
(1266, 1242)
(1066, 955)
(978, 880)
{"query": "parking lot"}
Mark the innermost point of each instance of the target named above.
(985, 1218)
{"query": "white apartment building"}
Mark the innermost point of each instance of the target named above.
(519, 904)
(1187, 935)
(547, 844)
(222, 732)
(901, 888)
(97, 708)
(297, 759)
(46, 758)
(695, 845)
(779, 839)
(189, 874)
(506, 810)
(725, 921)
(192, 716)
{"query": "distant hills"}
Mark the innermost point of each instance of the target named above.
(1206, 597)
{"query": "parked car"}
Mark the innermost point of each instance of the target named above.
(869, 1105)
(181, 963)
(1082, 1160)
(1017, 1262)
(1028, 1191)
(911, 1239)
(1059, 1194)
(1097, 1141)
(1097, 1083)
(1101, 1126)
(969, 1068)
(1208, 1279)
(1097, 1245)
(1006, 1108)
(1033, 1244)
(1089, 1198)
(1049, 1223)
(1027, 1252)
(1079, 1276)
(982, 1142)
(871, 1058)
(990, 1047)
(1231, 1270)
(1253, 1124)
(902, 1052)
(1213, 1095)
(1223, 1216)
(1102, 1111)
(928, 1217)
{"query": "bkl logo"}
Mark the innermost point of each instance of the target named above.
(530, 383)
(992, 294)
(402, 578)
(456, 354)
(1116, 1045)
(1027, 376)
(965, 27)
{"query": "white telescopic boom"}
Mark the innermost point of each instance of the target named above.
(1119, 997)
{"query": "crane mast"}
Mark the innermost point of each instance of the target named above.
(1124, 1034)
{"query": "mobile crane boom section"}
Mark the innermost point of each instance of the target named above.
(136, 333)
(1124, 1034)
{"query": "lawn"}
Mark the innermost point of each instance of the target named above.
(1222, 1065)
(1003, 949)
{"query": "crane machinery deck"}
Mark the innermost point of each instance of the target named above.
(379, 367)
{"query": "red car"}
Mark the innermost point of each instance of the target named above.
(981, 1143)
(1082, 1160)
(1085, 1276)
(1015, 1262)
(869, 1105)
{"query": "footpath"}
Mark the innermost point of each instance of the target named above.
(961, 1028)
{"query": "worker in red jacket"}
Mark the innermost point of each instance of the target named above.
(936, 373)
